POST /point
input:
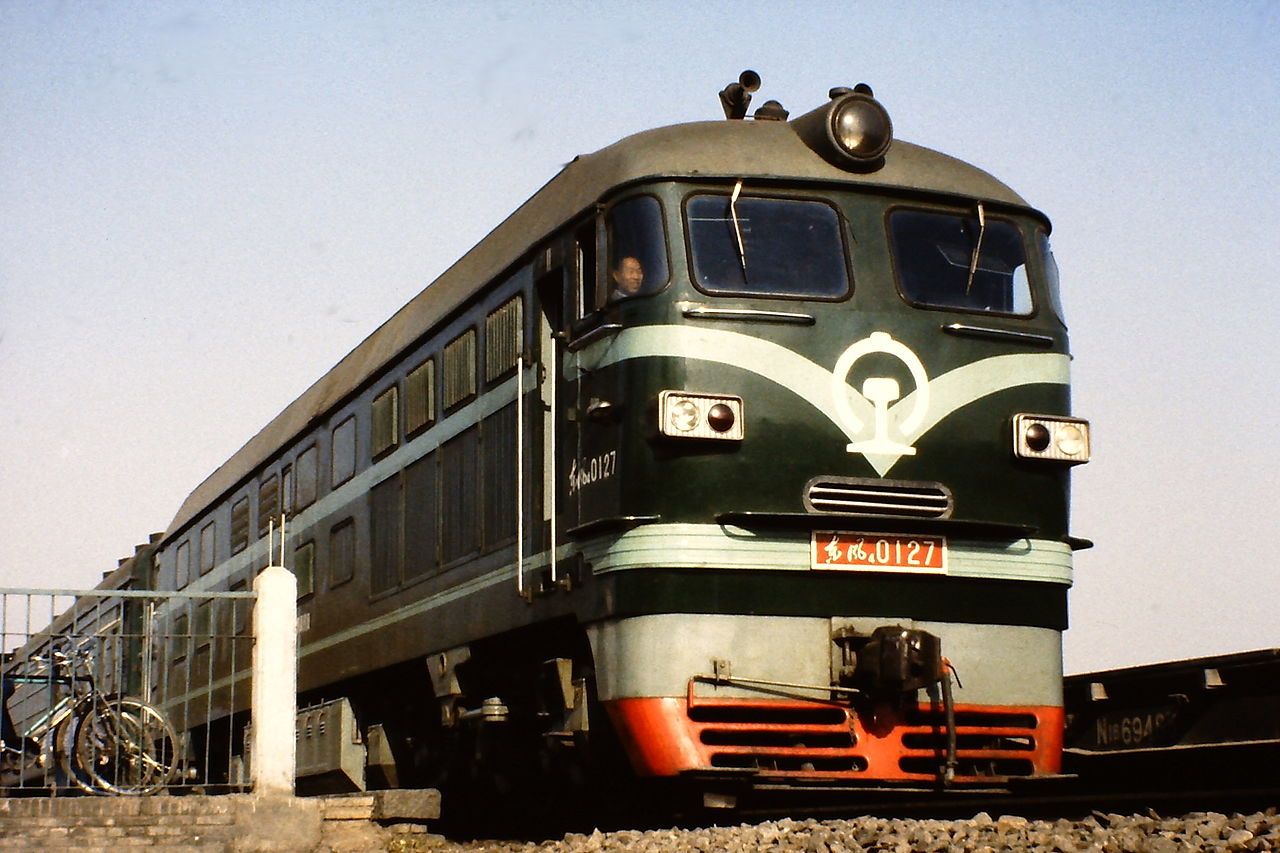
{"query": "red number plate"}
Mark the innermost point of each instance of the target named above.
(879, 552)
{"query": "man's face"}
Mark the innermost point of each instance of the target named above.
(629, 275)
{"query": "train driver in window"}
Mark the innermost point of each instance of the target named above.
(637, 251)
(627, 276)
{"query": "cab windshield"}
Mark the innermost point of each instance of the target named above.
(945, 260)
(751, 246)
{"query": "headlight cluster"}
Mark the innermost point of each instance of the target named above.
(685, 415)
(1051, 437)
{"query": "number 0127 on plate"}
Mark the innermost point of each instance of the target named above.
(871, 552)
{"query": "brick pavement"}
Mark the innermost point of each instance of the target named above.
(232, 823)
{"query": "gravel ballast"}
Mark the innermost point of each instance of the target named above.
(1109, 833)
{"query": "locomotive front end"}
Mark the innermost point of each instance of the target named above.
(833, 542)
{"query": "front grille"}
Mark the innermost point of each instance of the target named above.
(799, 740)
(791, 762)
(778, 738)
(971, 767)
(988, 743)
(857, 496)
(765, 714)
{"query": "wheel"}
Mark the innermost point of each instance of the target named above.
(68, 771)
(125, 746)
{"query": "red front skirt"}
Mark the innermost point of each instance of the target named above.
(816, 741)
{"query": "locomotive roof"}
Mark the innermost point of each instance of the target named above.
(764, 150)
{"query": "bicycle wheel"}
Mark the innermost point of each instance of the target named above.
(63, 745)
(126, 746)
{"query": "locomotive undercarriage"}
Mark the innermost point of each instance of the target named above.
(560, 718)
(554, 717)
(507, 728)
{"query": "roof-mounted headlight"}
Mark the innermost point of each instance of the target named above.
(852, 131)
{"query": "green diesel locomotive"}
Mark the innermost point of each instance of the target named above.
(738, 454)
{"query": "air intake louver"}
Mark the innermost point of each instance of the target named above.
(899, 498)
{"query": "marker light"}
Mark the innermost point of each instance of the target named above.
(1037, 437)
(682, 414)
(721, 417)
(1051, 437)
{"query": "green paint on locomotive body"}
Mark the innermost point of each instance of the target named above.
(682, 545)
(786, 374)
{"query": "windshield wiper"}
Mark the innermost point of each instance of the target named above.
(737, 229)
(977, 249)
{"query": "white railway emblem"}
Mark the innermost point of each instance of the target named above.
(879, 392)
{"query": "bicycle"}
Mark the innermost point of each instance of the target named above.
(103, 744)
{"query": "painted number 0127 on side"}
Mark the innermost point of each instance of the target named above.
(831, 549)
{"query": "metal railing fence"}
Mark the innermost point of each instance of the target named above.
(124, 691)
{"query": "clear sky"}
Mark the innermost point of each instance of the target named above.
(203, 206)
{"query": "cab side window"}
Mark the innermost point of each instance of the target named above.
(636, 260)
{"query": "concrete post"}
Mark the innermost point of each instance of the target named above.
(275, 682)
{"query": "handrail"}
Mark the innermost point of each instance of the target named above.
(702, 312)
(123, 593)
